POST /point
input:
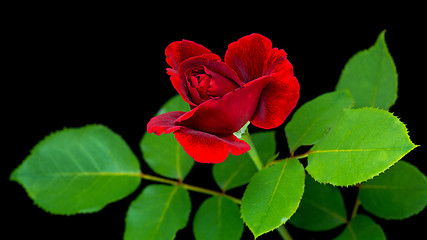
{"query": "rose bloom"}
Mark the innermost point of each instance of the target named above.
(254, 83)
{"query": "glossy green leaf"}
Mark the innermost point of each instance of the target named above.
(158, 213)
(238, 170)
(322, 208)
(273, 196)
(370, 75)
(218, 218)
(362, 228)
(163, 154)
(362, 144)
(396, 194)
(313, 119)
(79, 170)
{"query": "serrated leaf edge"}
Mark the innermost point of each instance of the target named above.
(293, 148)
(388, 218)
(380, 40)
(175, 190)
(283, 222)
(13, 175)
(371, 177)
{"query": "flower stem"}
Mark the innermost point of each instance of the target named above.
(252, 152)
(284, 233)
(189, 187)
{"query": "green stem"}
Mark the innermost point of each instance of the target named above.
(356, 206)
(157, 179)
(210, 192)
(304, 155)
(189, 187)
(284, 233)
(252, 152)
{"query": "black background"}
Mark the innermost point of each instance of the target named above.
(68, 66)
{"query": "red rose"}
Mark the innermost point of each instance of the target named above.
(254, 83)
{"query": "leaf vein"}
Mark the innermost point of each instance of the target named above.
(162, 216)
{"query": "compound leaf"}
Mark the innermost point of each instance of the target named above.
(362, 144)
(158, 213)
(79, 170)
(273, 196)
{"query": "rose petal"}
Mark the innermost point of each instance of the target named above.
(177, 52)
(201, 146)
(277, 63)
(213, 63)
(207, 148)
(248, 56)
(164, 123)
(180, 86)
(219, 84)
(178, 78)
(226, 115)
(252, 57)
(276, 102)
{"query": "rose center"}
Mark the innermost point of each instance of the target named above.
(204, 84)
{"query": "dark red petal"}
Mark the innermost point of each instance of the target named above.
(178, 79)
(226, 115)
(278, 64)
(219, 85)
(207, 148)
(213, 63)
(276, 102)
(164, 123)
(180, 86)
(177, 52)
(248, 56)
(224, 70)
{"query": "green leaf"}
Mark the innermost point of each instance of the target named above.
(175, 103)
(163, 154)
(322, 208)
(273, 196)
(362, 228)
(158, 213)
(218, 218)
(396, 194)
(313, 119)
(238, 170)
(265, 143)
(362, 144)
(370, 75)
(79, 170)
(166, 156)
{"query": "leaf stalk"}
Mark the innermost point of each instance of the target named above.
(189, 187)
